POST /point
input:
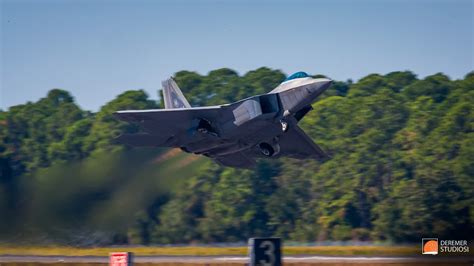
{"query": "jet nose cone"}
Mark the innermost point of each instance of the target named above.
(325, 83)
(321, 85)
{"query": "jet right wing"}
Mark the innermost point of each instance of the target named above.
(165, 127)
(296, 144)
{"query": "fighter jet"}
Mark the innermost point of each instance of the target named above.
(234, 134)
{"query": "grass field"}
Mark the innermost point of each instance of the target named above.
(352, 262)
(375, 251)
(209, 251)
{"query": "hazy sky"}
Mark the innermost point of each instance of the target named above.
(98, 49)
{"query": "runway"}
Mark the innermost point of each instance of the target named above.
(296, 260)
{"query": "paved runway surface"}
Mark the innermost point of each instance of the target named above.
(241, 259)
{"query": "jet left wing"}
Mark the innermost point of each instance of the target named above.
(296, 144)
(165, 124)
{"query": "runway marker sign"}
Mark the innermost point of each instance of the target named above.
(265, 251)
(120, 259)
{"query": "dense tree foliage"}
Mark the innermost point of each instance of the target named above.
(400, 169)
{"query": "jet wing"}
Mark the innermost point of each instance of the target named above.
(238, 159)
(165, 127)
(296, 144)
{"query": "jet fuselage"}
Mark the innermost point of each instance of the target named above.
(259, 120)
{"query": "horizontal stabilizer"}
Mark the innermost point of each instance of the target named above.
(237, 159)
(142, 140)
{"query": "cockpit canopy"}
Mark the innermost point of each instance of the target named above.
(297, 75)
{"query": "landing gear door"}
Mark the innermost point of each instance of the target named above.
(247, 111)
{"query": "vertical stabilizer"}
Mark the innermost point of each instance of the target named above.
(173, 96)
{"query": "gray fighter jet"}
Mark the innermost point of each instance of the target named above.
(233, 134)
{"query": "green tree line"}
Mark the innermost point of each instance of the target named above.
(400, 169)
